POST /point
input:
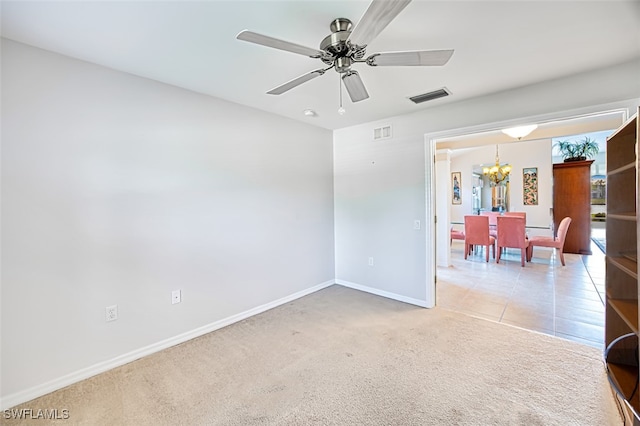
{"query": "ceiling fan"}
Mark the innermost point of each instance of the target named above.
(347, 44)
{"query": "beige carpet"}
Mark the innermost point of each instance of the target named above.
(342, 357)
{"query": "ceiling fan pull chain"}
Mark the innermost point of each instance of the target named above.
(341, 110)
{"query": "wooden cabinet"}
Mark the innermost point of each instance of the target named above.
(572, 197)
(621, 308)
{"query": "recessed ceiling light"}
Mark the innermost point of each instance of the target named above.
(309, 113)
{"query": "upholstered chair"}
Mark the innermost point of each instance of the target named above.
(512, 234)
(476, 233)
(493, 217)
(516, 214)
(456, 235)
(557, 242)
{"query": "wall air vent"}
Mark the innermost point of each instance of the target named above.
(383, 132)
(440, 93)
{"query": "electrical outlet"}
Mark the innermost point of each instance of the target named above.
(371, 261)
(176, 297)
(416, 224)
(111, 313)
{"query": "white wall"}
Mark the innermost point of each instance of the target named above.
(376, 204)
(118, 189)
(379, 193)
(519, 155)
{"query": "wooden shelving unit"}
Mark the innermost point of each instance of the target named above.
(621, 319)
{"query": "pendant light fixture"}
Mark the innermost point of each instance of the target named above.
(520, 131)
(497, 173)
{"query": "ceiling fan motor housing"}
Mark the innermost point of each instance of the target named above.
(336, 43)
(339, 52)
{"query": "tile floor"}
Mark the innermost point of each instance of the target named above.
(544, 296)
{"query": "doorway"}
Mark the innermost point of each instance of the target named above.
(504, 294)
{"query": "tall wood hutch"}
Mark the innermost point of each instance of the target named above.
(572, 197)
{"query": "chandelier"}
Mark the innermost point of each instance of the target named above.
(497, 173)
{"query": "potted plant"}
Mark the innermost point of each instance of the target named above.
(578, 150)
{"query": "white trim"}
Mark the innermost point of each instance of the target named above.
(442, 204)
(378, 292)
(614, 107)
(430, 224)
(85, 373)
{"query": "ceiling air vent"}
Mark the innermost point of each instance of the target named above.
(440, 93)
(383, 132)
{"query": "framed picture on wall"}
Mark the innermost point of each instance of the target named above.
(456, 188)
(530, 186)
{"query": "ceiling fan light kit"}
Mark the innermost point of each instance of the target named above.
(346, 46)
(354, 85)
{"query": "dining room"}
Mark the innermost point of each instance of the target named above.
(528, 288)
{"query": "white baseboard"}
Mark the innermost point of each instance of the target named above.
(85, 373)
(387, 294)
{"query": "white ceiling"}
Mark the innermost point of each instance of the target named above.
(498, 45)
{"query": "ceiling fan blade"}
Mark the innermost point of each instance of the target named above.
(375, 19)
(414, 58)
(264, 40)
(296, 82)
(355, 86)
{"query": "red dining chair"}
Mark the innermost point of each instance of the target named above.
(492, 222)
(476, 233)
(456, 235)
(512, 234)
(516, 214)
(557, 242)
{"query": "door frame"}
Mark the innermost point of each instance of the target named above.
(437, 237)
